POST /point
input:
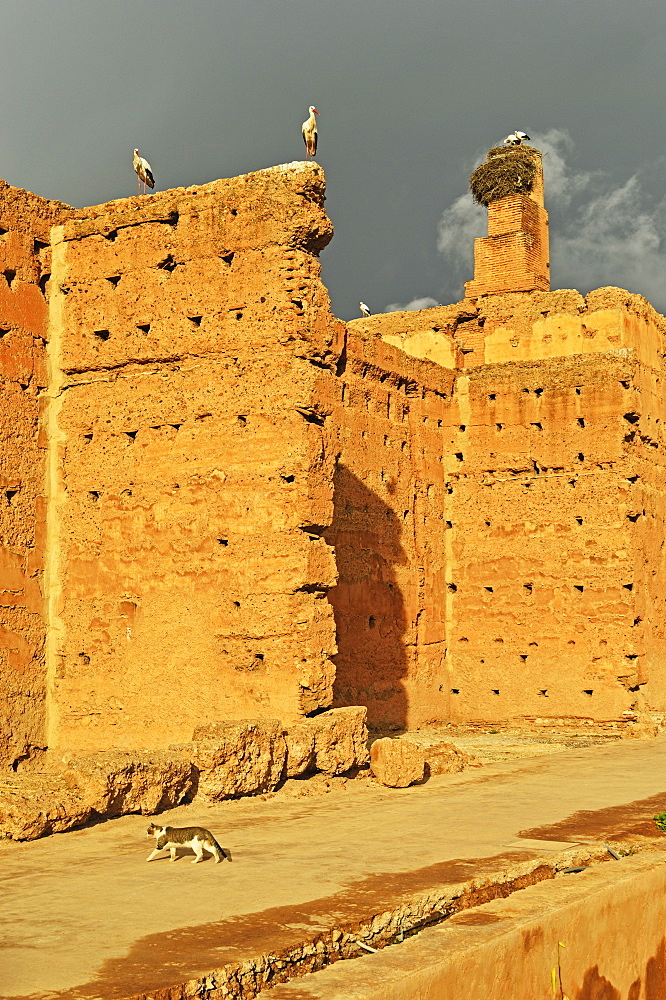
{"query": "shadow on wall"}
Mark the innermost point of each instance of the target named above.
(368, 604)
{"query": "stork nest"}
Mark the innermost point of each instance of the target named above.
(508, 170)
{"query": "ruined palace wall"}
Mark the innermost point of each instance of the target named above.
(25, 221)
(546, 528)
(192, 340)
(390, 532)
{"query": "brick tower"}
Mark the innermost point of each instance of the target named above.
(513, 257)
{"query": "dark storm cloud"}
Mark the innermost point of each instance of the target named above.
(410, 92)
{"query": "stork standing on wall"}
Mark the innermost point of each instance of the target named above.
(309, 130)
(143, 172)
(364, 309)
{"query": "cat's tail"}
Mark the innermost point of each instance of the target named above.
(222, 853)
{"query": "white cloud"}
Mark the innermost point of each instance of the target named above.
(601, 233)
(424, 303)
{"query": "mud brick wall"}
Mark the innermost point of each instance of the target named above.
(389, 531)
(192, 477)
(543, 519)
(25, 222)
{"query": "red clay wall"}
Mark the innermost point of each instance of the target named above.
(539, 500)
(193, 478)
(25, 221)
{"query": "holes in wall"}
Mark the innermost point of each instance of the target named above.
(537, 426)
(144, 327)
(131, 434)
(39, 245)
(632, 417)
(580, 421)
(571, 642)
(633, 479)
(625, 385)
(579, 520)
(637, 621)
(3, 332)
(527, 588)
(449, 524)
(10, 494)
(102, 334)
(299, 304)
(113, 280)
(580, 456)
(499, 639)
(492, 396)
(633, 517)
(542, 693)
(111, 235)
(489, 589)
(10, 275)
(288, 479)
(523, 656)
(455, 690)
(168, 264)
(227, 258)
(495, 690)
(223, 541)
(538, 392)
(88, 438)
(43, 282)
(463, 427)
(234, 211)
(577, 391)
(3, 232)
(572, 482)
(579, 587)
(195, 319)
(241, 420)
(628, 586)
(588, 691)
(452, 587)
(94, 495)
(236, 604)
(499, 427)
(239, 315)
(459, 456)
(372, 621)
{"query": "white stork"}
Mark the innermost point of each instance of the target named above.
(364, 309)
(143, 172)
(516, 138)
(309, 130)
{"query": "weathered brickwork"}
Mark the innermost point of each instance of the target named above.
(219, 503)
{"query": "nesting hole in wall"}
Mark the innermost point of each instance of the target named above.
(577, 391)
(102, 334)
(632, 418)
(523, 656)
(236, 604)
(543, 693)
(633, 479)
(168, 264)
(239, 315)
(538, 392)
(580, 456)
(455, 690)
(227, 258)
(3, 232)
(628, 586)
(234, 211)
(9, 276)
(3, 332)
(449, 524)
(10, 494)
(489, 589)
(500, 427)
(111, 235)
(637, 620)
(43, 282)
(241, 420)
(492, 396)
(113, 280)
(463, 427)
(538, 426)
(88, 438)
(94, 495)
(579, 520)
(571, 642)
(84, 658)
(633, 517)
(499, 639)
(288, 479)
(625, 385)
(528, 588)
(588, 691)
(495, 690)
(452, 587)
(459, 456)
(223, 541)
(39, 245)
(579, 587)
(144, 327)
(131, 434)
(463, 638)
(372, 621)
(580, 421)
(195, 319)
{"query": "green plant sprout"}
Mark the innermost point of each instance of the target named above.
(660, 820)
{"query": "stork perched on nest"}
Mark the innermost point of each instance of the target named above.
(516, 138)
(309, 130)
(144, 173)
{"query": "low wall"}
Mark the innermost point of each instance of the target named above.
(610, 921)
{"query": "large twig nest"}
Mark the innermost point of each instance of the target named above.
(508, 170)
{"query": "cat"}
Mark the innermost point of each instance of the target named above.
(196, 837)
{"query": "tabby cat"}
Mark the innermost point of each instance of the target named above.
(195, 837)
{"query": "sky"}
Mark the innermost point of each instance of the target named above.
(411, 94)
